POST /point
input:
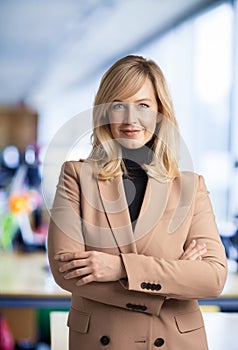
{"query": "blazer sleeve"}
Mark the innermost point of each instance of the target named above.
(66, 235)
(184, 279)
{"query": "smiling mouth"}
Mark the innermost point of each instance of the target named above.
(131, 133)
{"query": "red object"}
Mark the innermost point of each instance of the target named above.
(6, 338)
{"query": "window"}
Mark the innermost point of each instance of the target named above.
(196, 58)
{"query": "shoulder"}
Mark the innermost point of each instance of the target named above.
(78, 168)
(73, 164)
(71, 168)
(189, 183)
(188, 177)
(198, 179)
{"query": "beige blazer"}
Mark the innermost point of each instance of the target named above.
(156, 306)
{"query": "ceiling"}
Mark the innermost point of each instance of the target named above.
(49, 46)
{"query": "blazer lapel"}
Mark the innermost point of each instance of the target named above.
(116, 210)
(153, 207)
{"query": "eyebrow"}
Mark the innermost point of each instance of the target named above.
(140, 100)
(144, 99)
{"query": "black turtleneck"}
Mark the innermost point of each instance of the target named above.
(135, 180)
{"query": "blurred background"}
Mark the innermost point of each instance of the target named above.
(52, 56)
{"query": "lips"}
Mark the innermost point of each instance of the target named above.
(131, 132)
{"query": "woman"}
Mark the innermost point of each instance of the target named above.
(131, 237)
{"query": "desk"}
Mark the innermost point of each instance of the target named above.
(25, 281)
(228, 300)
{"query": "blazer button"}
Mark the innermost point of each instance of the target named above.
(158, 287)
(143, 285)
(105, 340)
(159, 342)
(130, 306)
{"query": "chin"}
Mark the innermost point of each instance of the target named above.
(133, 144)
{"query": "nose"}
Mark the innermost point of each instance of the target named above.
(130, 116)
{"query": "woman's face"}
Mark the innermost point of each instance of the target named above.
(133, 121)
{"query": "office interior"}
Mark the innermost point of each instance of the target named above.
(52, 56)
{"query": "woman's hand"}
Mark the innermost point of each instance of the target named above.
(94, 266)
(194, 251)
(91, 266)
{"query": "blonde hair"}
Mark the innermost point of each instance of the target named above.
(121, 81)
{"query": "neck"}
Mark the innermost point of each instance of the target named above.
(138, 156)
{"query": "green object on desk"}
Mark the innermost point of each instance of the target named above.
(9, 225)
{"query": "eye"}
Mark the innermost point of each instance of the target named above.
(118, 106)
(143, 106)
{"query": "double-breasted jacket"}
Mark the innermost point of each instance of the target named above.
(156, 305)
